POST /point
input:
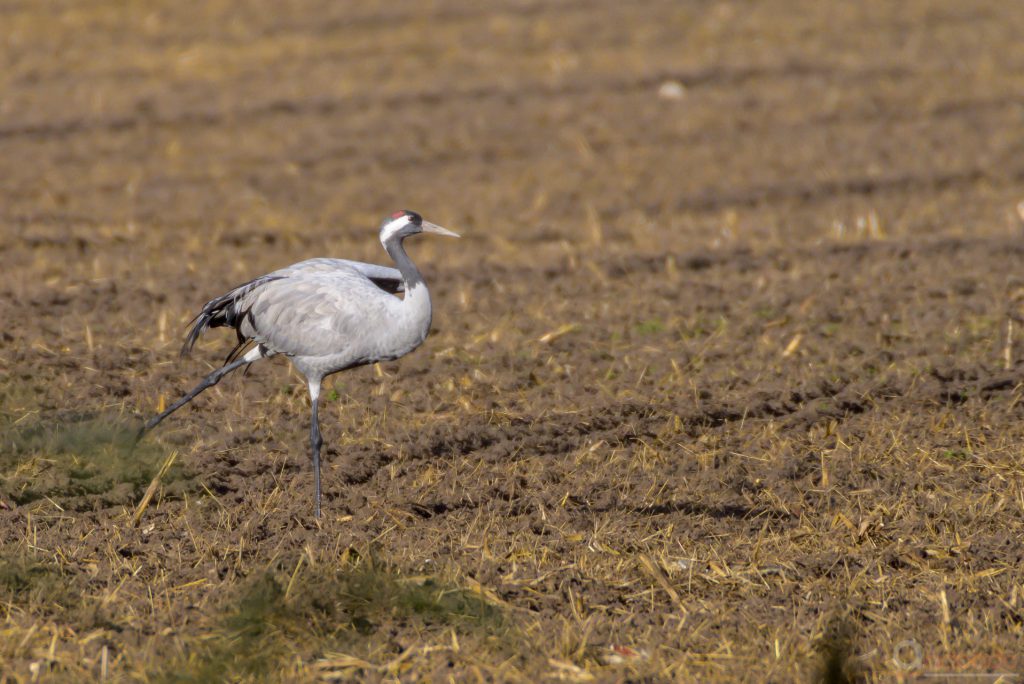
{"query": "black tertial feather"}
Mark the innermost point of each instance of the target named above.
(223, 312)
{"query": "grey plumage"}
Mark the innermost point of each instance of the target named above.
(226, 310)
(325, 315)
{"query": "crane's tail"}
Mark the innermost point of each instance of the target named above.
(226, 310)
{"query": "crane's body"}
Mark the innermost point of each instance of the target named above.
(325, 315)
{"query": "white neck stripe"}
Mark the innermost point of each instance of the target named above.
(393, 227)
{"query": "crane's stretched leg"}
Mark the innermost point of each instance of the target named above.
(207, 382)
(315, 440)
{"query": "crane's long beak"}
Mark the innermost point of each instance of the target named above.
(429, 227)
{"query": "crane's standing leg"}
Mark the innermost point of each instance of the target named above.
(315, 440)
(207, 382)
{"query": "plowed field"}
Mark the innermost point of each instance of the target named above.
(725, 381)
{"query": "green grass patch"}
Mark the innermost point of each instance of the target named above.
(353, 607)
(26, 582)
(955, 454)
(76, 459)
(651, 326)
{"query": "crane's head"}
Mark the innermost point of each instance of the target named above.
(403, 223)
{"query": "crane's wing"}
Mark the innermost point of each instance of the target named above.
(319, 314)
(385, 277)
(233, 308)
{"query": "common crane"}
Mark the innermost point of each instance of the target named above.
(325, 315)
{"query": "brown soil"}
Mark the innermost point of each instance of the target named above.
(719, 386)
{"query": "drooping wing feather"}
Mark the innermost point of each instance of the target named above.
(386, 278)
(221, 311)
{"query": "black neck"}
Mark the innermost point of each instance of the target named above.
(410, 274)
